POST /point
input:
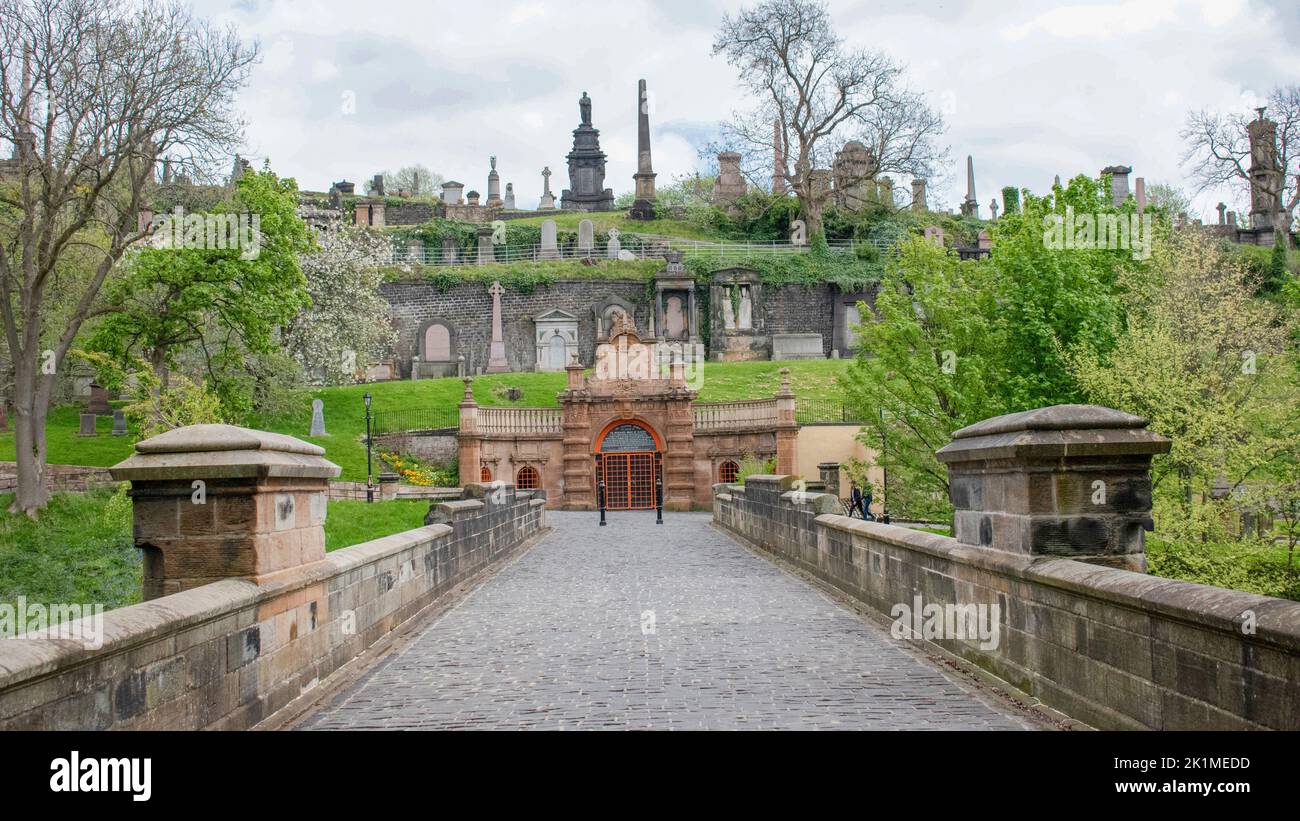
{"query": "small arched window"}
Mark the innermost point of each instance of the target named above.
(727, 472)
(527, 478)
(485, 474)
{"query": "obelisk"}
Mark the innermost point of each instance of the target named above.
(643, 207)
(970, 207)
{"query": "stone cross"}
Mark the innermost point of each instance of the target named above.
(547, 202)
(611, 250)
(317, 417)
(546, 180)
(993, 206)
(497, 362)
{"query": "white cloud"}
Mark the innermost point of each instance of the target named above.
(1030, 89)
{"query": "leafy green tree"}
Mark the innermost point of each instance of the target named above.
(216, 305)
(953, 342)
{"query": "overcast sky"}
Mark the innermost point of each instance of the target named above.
(1030, 89)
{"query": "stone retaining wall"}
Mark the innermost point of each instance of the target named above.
(230, 654)
(58, 478)
(1111, 647)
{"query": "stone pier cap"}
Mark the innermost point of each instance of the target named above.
(224, 452)
(1068, 480)
(1056, 432)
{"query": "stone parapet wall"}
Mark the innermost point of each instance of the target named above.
(230, 654)
(59, 478)
(1110, 647)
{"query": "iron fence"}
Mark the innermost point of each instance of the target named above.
(413, 421)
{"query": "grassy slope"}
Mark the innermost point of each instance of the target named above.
(345, 411)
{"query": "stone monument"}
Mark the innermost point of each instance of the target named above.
(643, 207)
(548, 199)
(317, 417)
(969, 206)
(494, 186)
(730, 184)
(586, 191)
(614, 246)
(509, 202)
(119, 422)
(98, 402)
(1118, 182)
(779, 170)
(497, 362)
(87, 425)
(1266, 181)
(918, 196)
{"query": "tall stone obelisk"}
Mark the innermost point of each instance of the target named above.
(643, 207)
(970, 207)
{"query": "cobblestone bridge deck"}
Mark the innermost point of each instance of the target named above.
(642, 627)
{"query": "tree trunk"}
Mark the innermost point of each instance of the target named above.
(29, 440)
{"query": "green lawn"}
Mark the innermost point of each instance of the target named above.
(345, 419)
(80, 550)
(349, 522)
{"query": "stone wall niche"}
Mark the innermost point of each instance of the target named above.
(1069, 480)
(737, 316)
(215, 502)
(557, 339)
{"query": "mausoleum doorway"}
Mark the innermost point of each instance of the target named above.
(628, 454)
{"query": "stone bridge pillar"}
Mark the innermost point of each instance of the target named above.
(1069, 480)
(215, 502)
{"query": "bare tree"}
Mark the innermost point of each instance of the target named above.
(92, 93)
(415, 180)
(814, 95)
(1218, 149)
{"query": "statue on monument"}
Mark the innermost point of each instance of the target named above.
(584, 106)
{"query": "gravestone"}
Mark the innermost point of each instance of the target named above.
(317, 417)
(934, 234)
(87, 425)
(730, 184)
(586, 238)
(486, 252)
(449, 251)
(119, 422)
(550, 246)
(98, 402)
(797, 346)
(510, 197)
(985, 241)
(626, 255)
(614, 246)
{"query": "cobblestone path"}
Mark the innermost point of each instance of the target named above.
(644, 627)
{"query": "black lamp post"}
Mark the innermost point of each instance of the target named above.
(659, 488)
(600, 488)
(370, 482)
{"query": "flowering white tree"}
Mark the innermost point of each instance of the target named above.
(348, 321)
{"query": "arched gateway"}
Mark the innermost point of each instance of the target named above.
(627, 454)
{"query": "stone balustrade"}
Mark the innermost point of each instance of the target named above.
(498, 421)
(749, 413)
